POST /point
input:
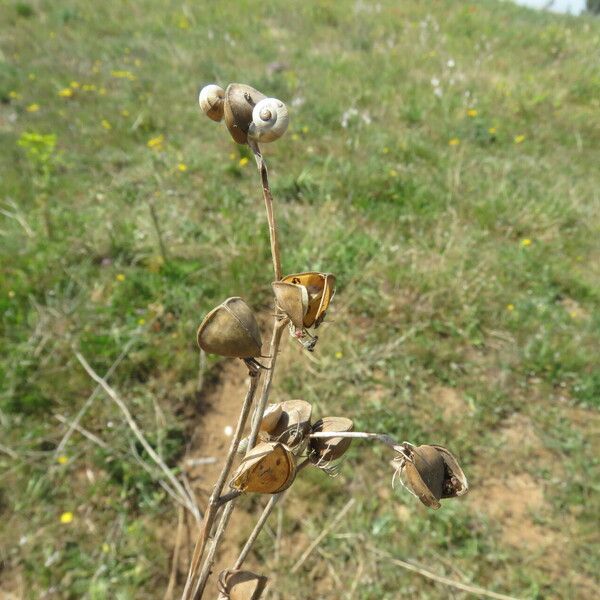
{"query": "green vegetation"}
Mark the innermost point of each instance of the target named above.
(442, 161)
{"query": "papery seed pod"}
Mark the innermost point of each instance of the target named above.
(241, 585)
(324, 450)
(271, 417)
(269, 468)
(455, 482)
(270, 120)
(320, 289)
(230, 330)
(425, 471)
(211, 100)
(294, 424)
(240, 100)
(292, 299)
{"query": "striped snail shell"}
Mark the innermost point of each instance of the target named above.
(270, 120)
(211, 100)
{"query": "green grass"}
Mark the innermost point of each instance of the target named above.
(472, 266)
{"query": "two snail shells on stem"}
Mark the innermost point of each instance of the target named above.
(248, 113)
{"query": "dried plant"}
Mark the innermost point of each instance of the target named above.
(283, 438)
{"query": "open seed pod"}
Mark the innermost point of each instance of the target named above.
(455, 481)
(424, 469)
(324, 450)
(293, 424)
(320, 288)
(240, 100)
(292, 299)
(269, 468)
(241, 585)
(271, 417)
(230, 330)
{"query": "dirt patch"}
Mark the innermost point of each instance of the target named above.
(450, 401)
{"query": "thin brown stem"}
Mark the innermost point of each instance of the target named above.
(213, 502)
(264, 176)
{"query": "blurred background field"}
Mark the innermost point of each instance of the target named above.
(442, 161)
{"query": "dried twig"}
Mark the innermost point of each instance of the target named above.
(178, 537)
(471, 589)
(73, 426)
(322, 535)
(138, 433)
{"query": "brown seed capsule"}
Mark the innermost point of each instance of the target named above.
(292, 299)
(269, 468)
(320, 289)
(230, 330)
(425, 472)
(324, 450)
(241, 585)
(240, 100)
(271, 417)
(294, 423)
(455, 481)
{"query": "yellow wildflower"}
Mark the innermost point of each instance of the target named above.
(232, 155)
(471, 112)
(123, 75)
(14, 95)
(453, 142)
(393, 173)
(62, 459)
(124, 113)
(295, 137)
(102, 91)
(386, 150)
(75, 84)
(305, 129)
(156, 143)
(31, 76)
(66, 93)
(106, 124)
(510, 307)
(66, 517)
(244, 161)
(519, 139)
(105, 548)
(492, 130)
(120, 277)
(11, 293)
(88, 87)
(339, 354)
(33, 108)
(182, 167)
(183, 23)
(141, 321)
(574, 314)
(526, 242)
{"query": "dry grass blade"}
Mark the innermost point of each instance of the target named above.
(471, 589)
(323, 534)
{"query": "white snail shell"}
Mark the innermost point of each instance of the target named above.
(211, 101)
(270, 120)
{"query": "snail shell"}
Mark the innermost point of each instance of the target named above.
(240, 100)
(241, 585)
(211, 100)
(230, 330)
(327, 449)
(270, 120)
(269, 468)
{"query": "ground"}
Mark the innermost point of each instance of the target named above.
(441, 161)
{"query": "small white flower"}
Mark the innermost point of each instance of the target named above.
(451, 64)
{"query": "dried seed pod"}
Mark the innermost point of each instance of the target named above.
(211, 100)
(294, 423)
(292, 299)
(455, 481)
(271, 417)
(269, 468)
(240, 100)
(270, 120)
(320, 289)
(230, 330)
(241, 585)
(324, 450)
(425, 471)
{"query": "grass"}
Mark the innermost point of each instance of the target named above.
(441, 161)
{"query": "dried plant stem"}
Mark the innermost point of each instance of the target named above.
(159, 235)
(264, 176)
(380, 437)
(268, 509)
(213, 502)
